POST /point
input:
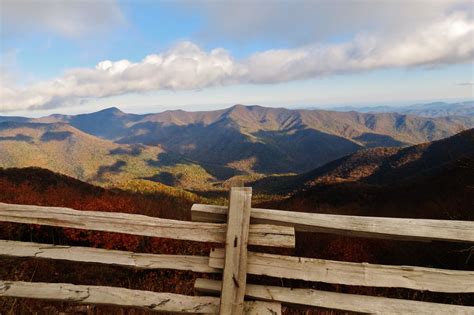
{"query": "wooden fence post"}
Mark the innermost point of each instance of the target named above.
(234, 276)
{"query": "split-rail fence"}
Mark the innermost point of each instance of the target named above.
(238, 226)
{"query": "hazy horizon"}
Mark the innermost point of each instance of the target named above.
(211, 107)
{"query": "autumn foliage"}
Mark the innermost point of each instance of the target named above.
(42, 187)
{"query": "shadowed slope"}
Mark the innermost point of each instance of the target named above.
(255, 139)
(432, 180)
(378, 166)
(65, 149)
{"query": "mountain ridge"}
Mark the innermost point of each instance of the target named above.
(218, 145)
(434, 109)
(62, 148)
(377, 166)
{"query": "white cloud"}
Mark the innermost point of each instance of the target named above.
(70, 19)
(447, 40)
(304, 22)
(184, 66)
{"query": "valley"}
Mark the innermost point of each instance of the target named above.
(209, 151)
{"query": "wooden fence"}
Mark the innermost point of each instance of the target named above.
(237, 226)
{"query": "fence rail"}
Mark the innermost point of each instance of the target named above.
(106, 256)
(348, 273)
(372, 227)
(152, 301)
(155, 301)
(236, 227)
(339, 301)
(260, 234)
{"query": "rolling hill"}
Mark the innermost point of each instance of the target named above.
(249, 140)
(65, 149)
(33, 185)
(273, 140)
(378, 166)
(431, 180)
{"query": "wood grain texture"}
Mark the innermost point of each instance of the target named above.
(264, 235)
(359, 274)
(162, 302)
(151, 301)
(339, 301)
(372, 227)
(234, 276)
(106, 256)
(262, 308)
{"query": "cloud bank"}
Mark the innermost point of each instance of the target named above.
(447, 40)
(303, 22)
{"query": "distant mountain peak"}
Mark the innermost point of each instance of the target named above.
(112, 110)
(247, 107)
(237, 108)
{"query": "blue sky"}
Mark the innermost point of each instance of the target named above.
(148, 56)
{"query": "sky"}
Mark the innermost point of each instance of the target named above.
(148, 56)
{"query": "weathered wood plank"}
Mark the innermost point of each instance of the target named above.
(262, 308)
(234, 276)
(106, 256)
(265, 235)
(360, 274)
(154, 301)
(372, 227)
(339, 301)
(162, 302)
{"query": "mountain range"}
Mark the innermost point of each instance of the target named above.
(436, 109)
(199, 150)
